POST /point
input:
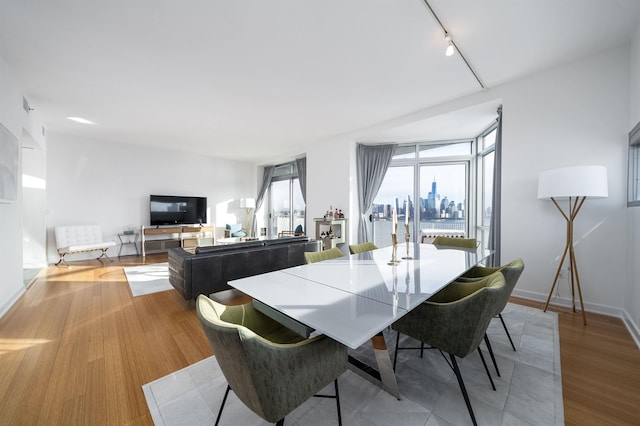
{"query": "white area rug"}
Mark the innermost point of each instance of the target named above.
(529, 391)
(147, 279)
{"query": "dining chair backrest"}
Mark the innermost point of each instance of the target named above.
(361, 248)
(319, 256)
(455, 322)
(511, 272)
(455, 242)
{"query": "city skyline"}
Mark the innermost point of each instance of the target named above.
(432, 207)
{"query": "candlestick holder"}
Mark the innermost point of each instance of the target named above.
(394, 250)
(407, 237)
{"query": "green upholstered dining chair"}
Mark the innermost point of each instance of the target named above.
(271, 369)
(319, 256)
(361, 248)
(511, 272)
(455, 321)
(455, 291)
(455, 242)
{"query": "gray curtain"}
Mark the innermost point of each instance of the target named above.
(372, 164)
(301, 163)
(266, 180)
(494, 225)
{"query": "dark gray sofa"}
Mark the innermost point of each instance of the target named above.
(207, 270)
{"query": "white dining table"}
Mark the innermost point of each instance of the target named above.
(352, 299)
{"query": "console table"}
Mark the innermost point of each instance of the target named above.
(337, 226)
(161, 239)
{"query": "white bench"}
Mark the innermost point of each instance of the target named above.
(79, 239)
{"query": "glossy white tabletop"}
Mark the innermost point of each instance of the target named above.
(343, 316)
(352, 298)
(407, 284)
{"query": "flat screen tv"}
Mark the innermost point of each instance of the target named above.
(177, 210)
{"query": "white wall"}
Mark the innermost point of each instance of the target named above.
(573, 115)
(15, 120)
(109, 183)
(632, 293)
(634, 104)
(10, 243)
(576, 114)
(328, 175)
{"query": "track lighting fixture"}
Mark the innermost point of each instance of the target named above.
(450, 49)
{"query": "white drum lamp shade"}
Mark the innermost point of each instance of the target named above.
(579, 181)
(248, 203)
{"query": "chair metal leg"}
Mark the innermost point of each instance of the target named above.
(222, 406)
(486, 368)
(507, 331)
(337, 398)
(456, 370)
(490, 349)
(422, 347)
(338, 402)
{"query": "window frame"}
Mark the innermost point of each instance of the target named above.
(633, 168)
(293, 177)
(482, 229)
(417, 162)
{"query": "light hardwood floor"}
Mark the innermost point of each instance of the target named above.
(77, 348)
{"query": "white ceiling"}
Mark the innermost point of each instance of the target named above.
(255, 79)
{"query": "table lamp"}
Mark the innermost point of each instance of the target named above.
(248, 204)
(574, 184)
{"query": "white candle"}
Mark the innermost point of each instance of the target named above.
(394, 222)
(406, 213)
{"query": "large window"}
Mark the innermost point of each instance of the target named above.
(428, 185)
(443, 187)
(286, 204)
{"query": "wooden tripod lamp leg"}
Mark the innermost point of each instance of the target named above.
(579, 201)
(574, 271)
(574, 208)
(555, 280)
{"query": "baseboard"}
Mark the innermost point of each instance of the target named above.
(12, 300)
(565, 302)
(632, 327)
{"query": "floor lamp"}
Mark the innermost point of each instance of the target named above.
(574, 184)
(248, 204)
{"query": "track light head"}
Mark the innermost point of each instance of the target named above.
(450, 48)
